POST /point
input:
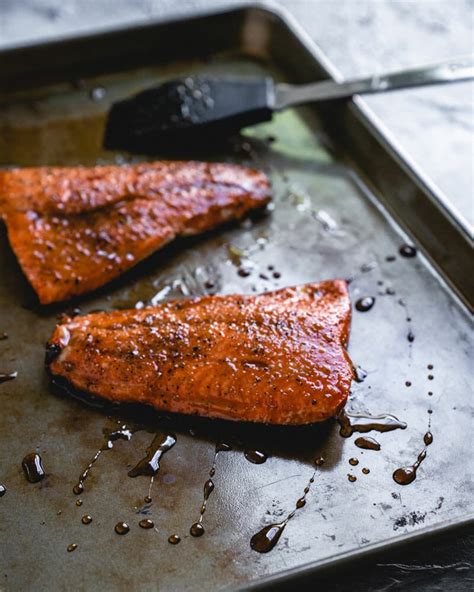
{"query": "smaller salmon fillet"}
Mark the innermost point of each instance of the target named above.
(276, 358)
(74, 229)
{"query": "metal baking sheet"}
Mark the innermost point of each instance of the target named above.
(345, 201)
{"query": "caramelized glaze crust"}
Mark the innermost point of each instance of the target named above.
(74, 229)
(277, 358)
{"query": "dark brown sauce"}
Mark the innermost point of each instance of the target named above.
(146, 523)
(124, 433)
(148, 499)
(79, 502)
(255, 456)
(365, 304)
(150, 464)
(86, 519)
(122, 528)
(3, 336)
(366, 471)
(33, 468)
(174, 539)
(351, 478)
(406, 475)
(359, 374)
(407, 251)
(72, 547)
(3, 490)
(367, 443)
(266, 539)
(244, 271)
(6, 376)
(358, 422)
(353, 462)
(197, 529)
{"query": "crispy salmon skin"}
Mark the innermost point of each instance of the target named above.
(277, 358)
(74, 229)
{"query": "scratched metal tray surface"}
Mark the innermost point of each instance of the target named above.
(344, 202)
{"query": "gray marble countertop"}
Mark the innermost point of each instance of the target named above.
(433, 125)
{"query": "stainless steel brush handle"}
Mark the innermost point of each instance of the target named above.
(452, 70)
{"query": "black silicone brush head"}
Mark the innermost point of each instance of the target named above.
(187, 111)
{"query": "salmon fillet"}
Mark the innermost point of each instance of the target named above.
(74, 229)
(277, 358)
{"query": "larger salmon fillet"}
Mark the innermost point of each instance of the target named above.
(73, 229)
(277, 358)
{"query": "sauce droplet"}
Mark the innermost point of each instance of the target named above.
(360, 374)
(358, 422)
(407, 251)
(366, 471)
(79, 502)
(72, 547)
(255, 456)
(3, 490)
(146, 523)
(33, 467)
(86, 519)
(428, 438)
(174, 539)
(6, 376)
(351, 478)
(197, 529)
(353, 461)
(122, 528)
(365, 304)
(266, 539)
(244, 271)
(150, 464)
(406, 475)
(367, 443)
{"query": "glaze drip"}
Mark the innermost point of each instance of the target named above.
(266, 539)
(197, 529)
(124, 433)
(150, 464)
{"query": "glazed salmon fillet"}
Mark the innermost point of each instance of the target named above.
(277, 358)
(74, 229)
